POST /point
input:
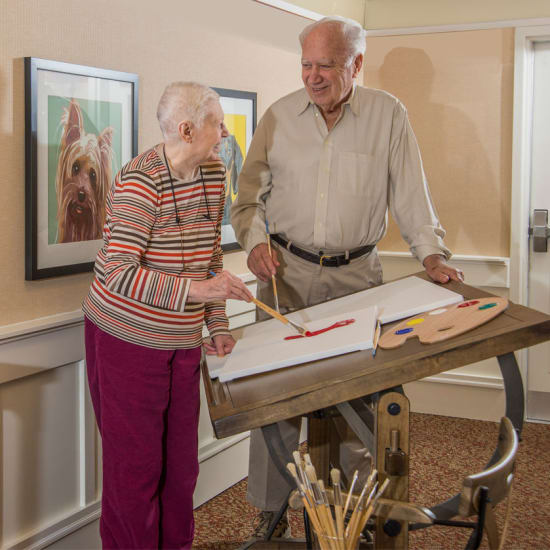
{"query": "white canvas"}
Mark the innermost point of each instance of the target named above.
(262, 347)
(396, 300)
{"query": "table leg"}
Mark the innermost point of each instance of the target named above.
(318, 444)
(392, 457)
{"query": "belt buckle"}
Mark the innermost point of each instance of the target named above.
(324, 257)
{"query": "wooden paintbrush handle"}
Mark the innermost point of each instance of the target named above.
(271, 311)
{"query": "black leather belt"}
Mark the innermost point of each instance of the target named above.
(321, 258)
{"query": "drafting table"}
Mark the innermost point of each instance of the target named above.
(339, 382)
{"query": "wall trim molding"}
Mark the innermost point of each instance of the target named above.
(40, 325)
(55, 531)
(216, 446)
(292, 8)
(460, 379)
(487, 271)
(458, 27)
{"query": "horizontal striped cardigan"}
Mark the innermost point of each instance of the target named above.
(148, 259)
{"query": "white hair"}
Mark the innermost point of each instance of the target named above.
(184, 101)
(355, 36)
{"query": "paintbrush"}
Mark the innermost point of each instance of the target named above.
(330, 520)
(278, 316)
(353, 531)
(350, 492)
(355, 514)
(376, 337)
(324, 521)
(305, 494)
(274, 313)
(338, 505)
(275, 296)
(367, 511)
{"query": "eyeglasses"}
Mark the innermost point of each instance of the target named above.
(205, 216)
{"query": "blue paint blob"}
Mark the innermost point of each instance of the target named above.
(404, 331)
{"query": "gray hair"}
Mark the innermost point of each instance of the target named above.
(355, 36)
(184, 101)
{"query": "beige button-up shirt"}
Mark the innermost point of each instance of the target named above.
(330, 190)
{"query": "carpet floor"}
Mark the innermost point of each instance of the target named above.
(443, 451)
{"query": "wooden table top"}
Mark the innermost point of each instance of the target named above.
(255, 401)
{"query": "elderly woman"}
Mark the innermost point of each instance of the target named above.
(154, 287)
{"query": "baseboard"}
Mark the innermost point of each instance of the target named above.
(215, 476)
(56, 531)
(475, 400)
(212, 480)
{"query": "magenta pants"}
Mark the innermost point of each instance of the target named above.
(146, 403)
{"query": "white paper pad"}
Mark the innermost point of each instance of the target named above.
(263, 347)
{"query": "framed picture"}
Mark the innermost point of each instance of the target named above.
(240, 120)
(80, 127)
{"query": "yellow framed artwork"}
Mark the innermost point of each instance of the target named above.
(239, 108)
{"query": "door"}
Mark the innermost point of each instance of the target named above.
(538, 362)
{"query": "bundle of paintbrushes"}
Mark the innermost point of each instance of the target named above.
(334, 531)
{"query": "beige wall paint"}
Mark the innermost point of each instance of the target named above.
(389, 14)
(458, 90)
(239, 44)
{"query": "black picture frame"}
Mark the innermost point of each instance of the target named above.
(66, 106)
(240, 118)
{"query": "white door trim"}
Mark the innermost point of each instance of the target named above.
(525, 39)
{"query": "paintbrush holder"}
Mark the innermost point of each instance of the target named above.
(326, 542)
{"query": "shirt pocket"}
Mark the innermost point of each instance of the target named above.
(356, 172)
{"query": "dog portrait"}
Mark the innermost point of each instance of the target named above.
(83, 178)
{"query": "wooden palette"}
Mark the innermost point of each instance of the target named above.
(445, 322)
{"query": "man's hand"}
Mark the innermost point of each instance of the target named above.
(221, 345)
(438, 270)
(261, 263)
(221, 287)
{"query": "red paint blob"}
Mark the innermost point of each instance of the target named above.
(468, 304)
(320, 331)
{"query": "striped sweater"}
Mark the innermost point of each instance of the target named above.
(148, 260)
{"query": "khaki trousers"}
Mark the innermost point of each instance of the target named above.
(300, 284)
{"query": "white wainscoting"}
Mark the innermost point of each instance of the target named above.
(50, 448)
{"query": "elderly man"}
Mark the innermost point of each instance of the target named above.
(324, 165)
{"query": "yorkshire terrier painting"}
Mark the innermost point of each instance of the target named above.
(83, 178)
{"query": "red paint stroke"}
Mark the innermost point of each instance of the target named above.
(320, 331)
(468, 304)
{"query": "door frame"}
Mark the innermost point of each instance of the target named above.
(524, 56)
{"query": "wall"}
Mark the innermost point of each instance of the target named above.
(458, 88)
(49, 447)
(226, 44)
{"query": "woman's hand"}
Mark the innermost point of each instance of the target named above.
(221, 287)
(221, 345)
